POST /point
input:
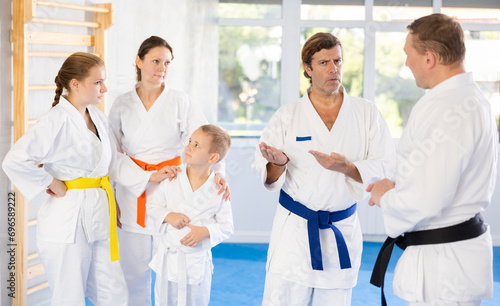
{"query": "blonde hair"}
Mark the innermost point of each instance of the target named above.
(220, 140)
(76, 66)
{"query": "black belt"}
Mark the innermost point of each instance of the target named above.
(469, 229)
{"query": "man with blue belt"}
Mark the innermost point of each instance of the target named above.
(321, 151)
(447, 162)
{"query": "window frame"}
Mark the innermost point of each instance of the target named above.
(291, 30)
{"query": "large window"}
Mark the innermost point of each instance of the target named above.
(250, 9)
(330, 11)
(483, 60)
(260, 43)
(249, 65)
(479, 11)
(249, 77)
(406, 11)
(395, 88)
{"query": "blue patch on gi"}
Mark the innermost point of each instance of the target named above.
(305, 138)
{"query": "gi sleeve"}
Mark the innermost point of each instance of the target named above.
(380, 156)
(124, 171)
(223, 227)
(21, 162)
(157, 208)
(115, 123)
(273, 135)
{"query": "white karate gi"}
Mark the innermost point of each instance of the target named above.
(73, 231)
(189, 268)
(150, 136)
(362, 136)
(447, 159)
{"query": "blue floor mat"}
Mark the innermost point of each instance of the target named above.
(240, 273)
(240, 270)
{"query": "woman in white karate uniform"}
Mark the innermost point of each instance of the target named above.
(70, 147)
(152, 124)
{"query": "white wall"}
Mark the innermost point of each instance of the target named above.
(253, 206)
(194, 41)
(193, 70)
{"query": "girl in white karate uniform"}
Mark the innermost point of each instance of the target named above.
(152, 124)
(70, 154)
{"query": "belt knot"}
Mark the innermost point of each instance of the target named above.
(317, 220)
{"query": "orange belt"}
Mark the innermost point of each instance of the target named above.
(141, 201)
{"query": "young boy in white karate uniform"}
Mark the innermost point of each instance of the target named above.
(192, 218)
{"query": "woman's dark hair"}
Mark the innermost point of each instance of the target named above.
(148, 44)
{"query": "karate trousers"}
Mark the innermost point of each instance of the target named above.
(444, 303)
(196, 295)
(281, 292)
(82, 269)
(135, 254)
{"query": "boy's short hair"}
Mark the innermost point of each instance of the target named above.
(220, 140)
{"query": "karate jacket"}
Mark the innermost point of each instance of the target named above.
(67, 149)
(447, 161)
(362, 136)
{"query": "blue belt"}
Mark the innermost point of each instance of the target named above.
(317, 220)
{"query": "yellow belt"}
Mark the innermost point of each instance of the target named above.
(102, 182)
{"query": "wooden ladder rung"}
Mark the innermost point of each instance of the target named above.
(37, 288)
(75, 23)
(51, 54)
(42, 87)
(53, 38)
(32, 121)
(73, 6)
(32, 256)
(32, 222)
(35, 270)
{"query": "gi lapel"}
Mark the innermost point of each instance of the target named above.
(86, 146)
(102, 168)
(328, 144)
(146, 117)
(196, 203)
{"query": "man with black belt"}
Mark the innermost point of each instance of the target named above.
(322, 151)
(447, 161)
